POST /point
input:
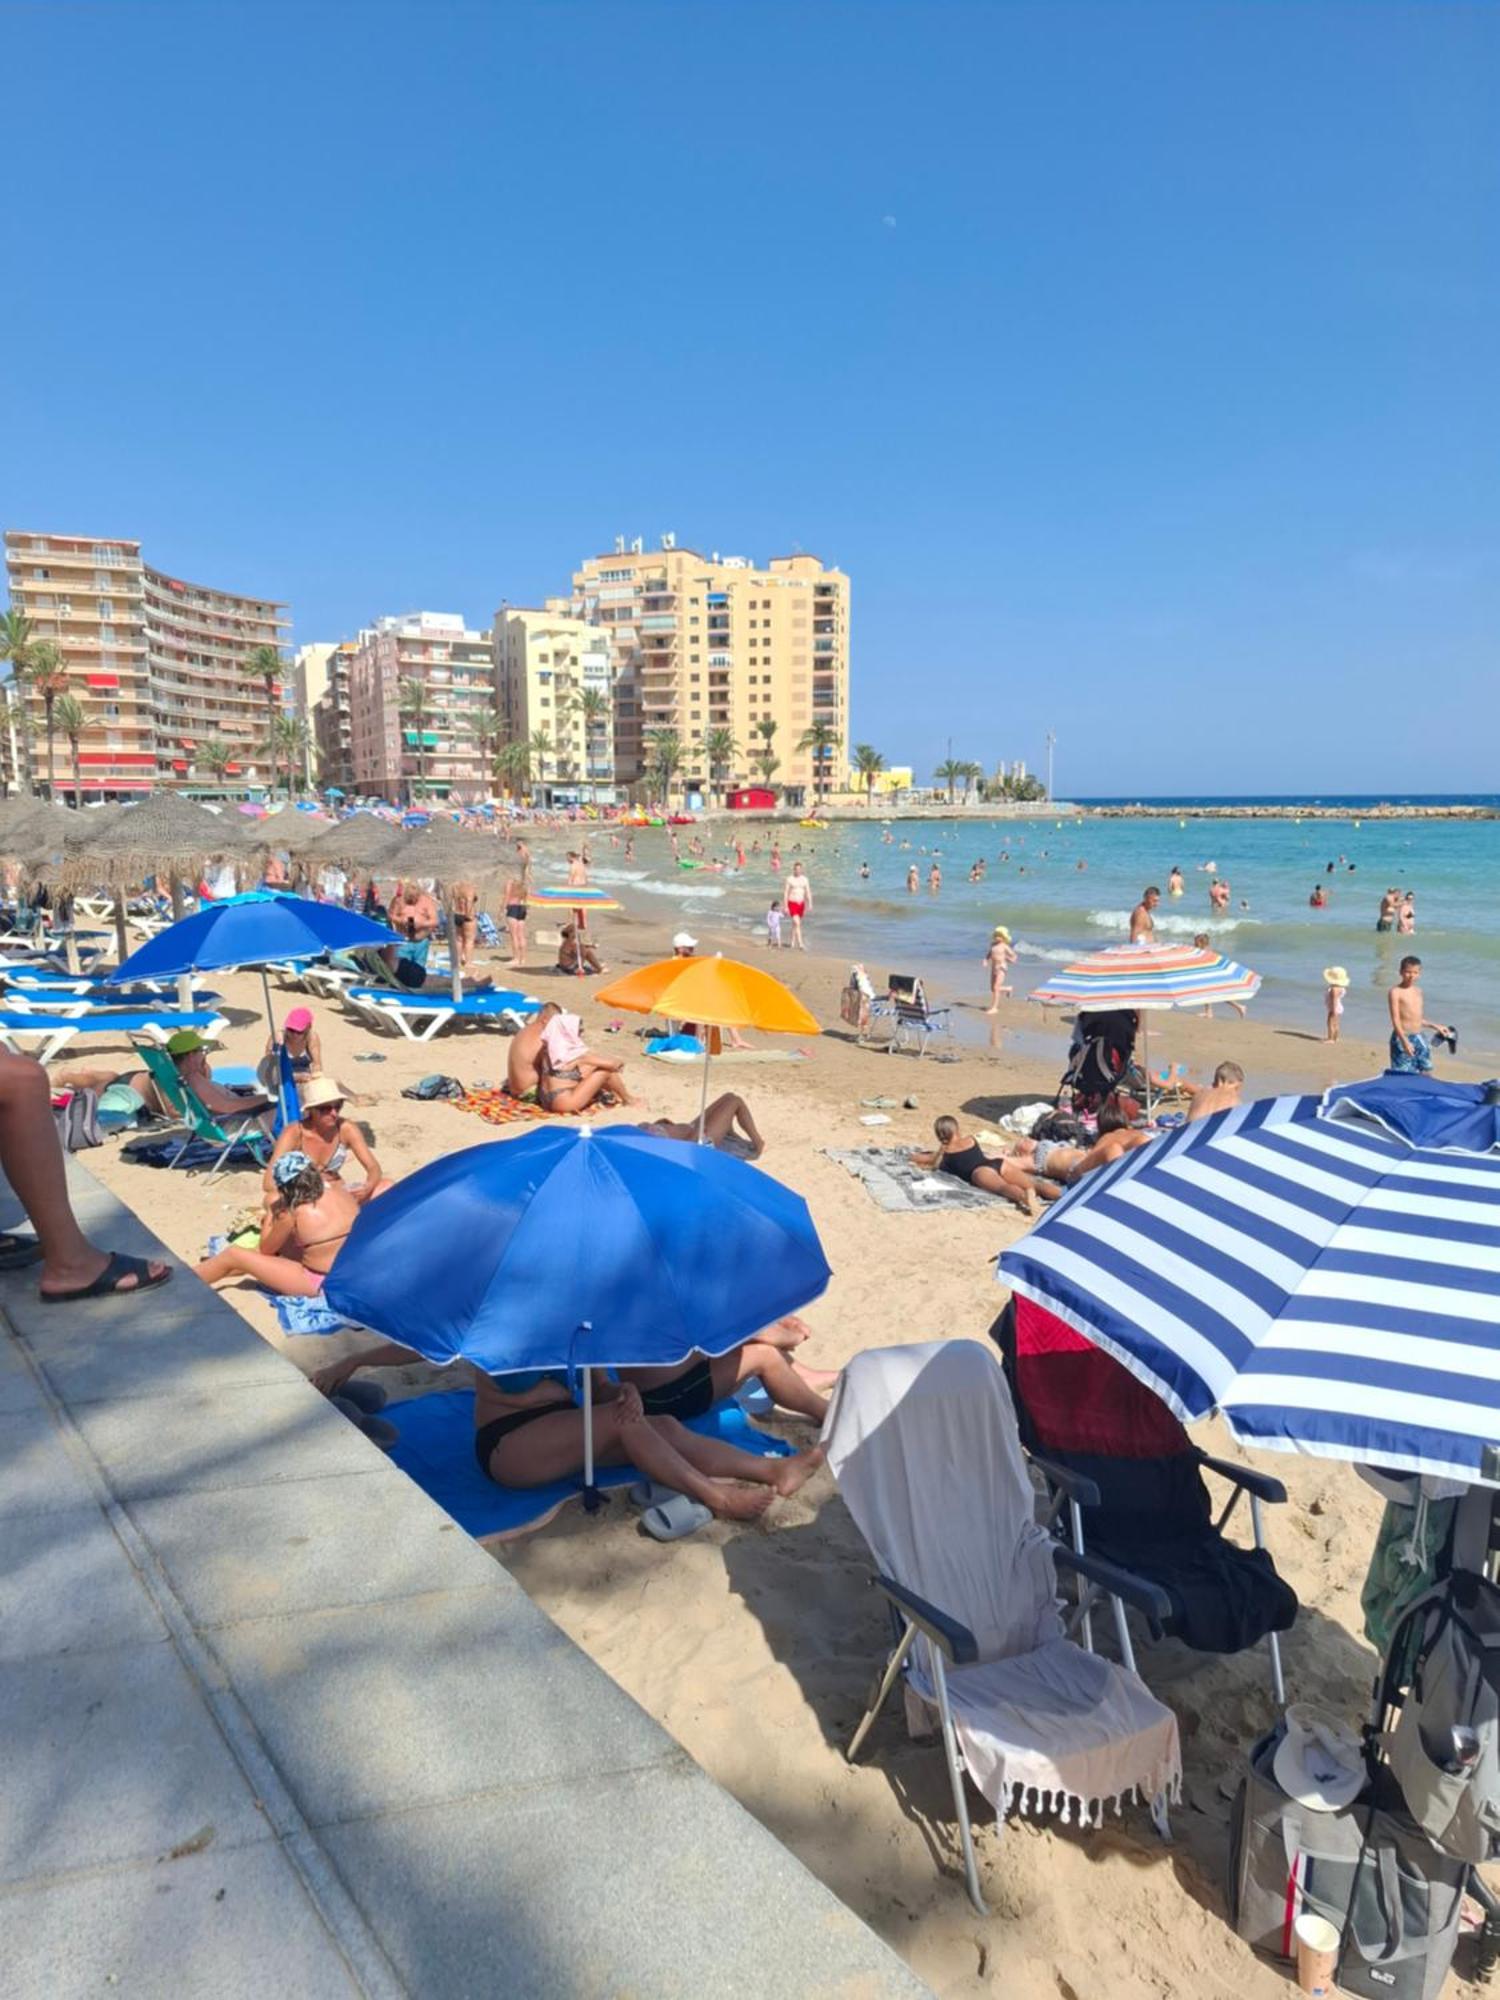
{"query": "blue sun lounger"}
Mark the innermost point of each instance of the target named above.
(43, 1034)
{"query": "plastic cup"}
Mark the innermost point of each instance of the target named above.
(1317, 1954)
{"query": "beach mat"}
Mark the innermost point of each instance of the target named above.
(898, 1187)
(436, 1449)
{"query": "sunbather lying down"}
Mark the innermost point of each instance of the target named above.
(726, 1117)
(693, 1387)
(528, 1431)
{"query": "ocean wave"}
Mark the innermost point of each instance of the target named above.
(696, 891)
(1050, 954)
(1175, 926)
(619, 874)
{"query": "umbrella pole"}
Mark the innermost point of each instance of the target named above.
(184, 983)
(265, 983)
(590, 1490)
(456, 978)
(122, 942)
(578, 940)
(703, 1099)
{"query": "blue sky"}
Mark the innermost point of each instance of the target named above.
(1137, 360)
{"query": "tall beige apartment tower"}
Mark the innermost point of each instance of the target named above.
(553, 675)
(703, 643)
(156, 663)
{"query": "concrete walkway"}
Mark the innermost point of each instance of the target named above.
(271, 1724)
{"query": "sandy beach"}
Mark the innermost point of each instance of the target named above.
(756, 1646)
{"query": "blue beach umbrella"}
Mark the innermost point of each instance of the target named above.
(1330, 1287)
(259, 928)
(1423, 1110)
(578, 1249)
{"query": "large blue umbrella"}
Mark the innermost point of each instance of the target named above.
(1424, 1110)
(259, 928)
(1328, 1286)
(578, 1249)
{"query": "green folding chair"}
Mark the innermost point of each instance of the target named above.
(203, 1126)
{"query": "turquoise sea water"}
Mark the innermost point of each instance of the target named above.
(1057, 910)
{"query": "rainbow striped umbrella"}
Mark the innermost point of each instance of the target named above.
(579, 901)
(1139, 976)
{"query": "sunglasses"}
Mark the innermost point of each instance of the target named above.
(329, 1107)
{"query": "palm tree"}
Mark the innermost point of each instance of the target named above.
(45, 672)
(539, 746)
(765, 759)
(949, 772)
(969, 773)
(265, 664)
(414, 703)
(593, 706)
(513, 764)
(486, 727)
(720, 748)
(664, 759)
(291, 740)
(869, 763)
(822, 739)
(72, 719)
(216, 757)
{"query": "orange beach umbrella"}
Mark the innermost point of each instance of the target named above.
(719, 992)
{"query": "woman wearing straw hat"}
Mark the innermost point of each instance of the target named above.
(329, 1140)
(1336, 982)
(999, 958)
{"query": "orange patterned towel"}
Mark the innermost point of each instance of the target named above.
(498, 1107)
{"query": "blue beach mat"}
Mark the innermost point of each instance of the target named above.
(305, 1315)
(436, 1449)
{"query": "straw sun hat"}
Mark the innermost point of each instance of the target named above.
(1001, 932)
(319, 1090)
(1335, 975)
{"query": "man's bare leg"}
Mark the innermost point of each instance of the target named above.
(784, 1382)
(721, 1118)
(32, 1158)
(727, 1461)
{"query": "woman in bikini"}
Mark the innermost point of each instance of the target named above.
(463, 917)
(528, 1432)
(693, 1387)
(316, 1218)
(330, 1141)
(960, 1154)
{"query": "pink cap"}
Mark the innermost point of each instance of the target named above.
(298, 1019)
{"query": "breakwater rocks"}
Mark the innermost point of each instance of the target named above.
(1293, 812)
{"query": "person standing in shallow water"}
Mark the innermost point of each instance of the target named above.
(798, 902)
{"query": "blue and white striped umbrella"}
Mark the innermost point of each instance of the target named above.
(1327, 1286)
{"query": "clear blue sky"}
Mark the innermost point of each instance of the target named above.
(1137, 360)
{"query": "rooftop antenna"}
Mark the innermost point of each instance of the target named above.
(638, 546)
(619, 545)
(669, 540)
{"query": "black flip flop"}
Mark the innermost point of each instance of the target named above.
(16, 1252)
(107, 1285)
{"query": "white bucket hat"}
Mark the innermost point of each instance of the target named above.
(684, 941)
(1319, 1761)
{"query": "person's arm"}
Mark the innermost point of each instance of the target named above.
(926, 1161)
(387, 1354)
(315, 1051)
(358, 1145)
(288, 1137)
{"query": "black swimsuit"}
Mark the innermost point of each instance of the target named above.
(487, 1436)
(690, 1394)
(963, 1166)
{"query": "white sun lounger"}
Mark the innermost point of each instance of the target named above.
(44, 1034)
(419, 1016)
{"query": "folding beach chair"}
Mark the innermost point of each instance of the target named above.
(1125, 1481)
(230, 1135)
(916, 1021)
(922, 1441)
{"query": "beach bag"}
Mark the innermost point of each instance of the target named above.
(1445, 1748)
(77, 1115)
(434, 1086)
(1369, 1869)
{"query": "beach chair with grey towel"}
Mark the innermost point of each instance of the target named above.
(922, 1441)
(916, 1021)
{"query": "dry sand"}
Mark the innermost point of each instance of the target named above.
(756, 1646)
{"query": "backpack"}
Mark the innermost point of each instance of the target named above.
(1445, 1747)
(433, 1086)
(77, 1115)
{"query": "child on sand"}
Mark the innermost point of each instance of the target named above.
(1336, 981)
(999, 958)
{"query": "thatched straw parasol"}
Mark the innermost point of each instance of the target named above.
(287, 831)
(362, 842)
(166, 835)
(447, 854)
(16, 817)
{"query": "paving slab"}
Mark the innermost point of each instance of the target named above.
(308, 1545)
(37, 1476)
(109, 1757)
(66, 1585)
(163, 1344)
(222, 1438)
(430, 1698)
(601, 1887)
(238, 1926)
(18, 1391)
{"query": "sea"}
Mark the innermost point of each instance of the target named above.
(1066, 886)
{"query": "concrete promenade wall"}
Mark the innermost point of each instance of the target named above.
(271, 1724)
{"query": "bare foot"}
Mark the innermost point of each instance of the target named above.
(794, 1472)
(741, 1503)
(818, 1378)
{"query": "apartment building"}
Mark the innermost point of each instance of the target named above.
(158, 664)
(700, 643)
(547, 666)
(330, 721)
(445, 752)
